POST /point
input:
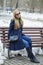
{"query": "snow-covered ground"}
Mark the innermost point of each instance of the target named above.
(30, 20)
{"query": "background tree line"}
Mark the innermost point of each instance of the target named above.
(27, 5)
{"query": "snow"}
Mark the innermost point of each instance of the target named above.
(32, 23)
(1, 50)
(30, 19)
(34, 16)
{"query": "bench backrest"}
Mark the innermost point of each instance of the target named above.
(35, 33)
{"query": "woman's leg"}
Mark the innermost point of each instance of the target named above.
(30, 54)
(25, 43)
(27, 38)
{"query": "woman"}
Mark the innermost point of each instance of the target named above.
(23, 41)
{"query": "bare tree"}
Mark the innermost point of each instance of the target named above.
(41, 5)
(11, 5)
(1, 3)
(17, 4)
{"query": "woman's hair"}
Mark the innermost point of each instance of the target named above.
(16, 25)
(15, 11)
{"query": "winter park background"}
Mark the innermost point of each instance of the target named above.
(32, 15)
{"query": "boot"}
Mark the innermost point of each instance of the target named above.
(30, 44)
(31, 56)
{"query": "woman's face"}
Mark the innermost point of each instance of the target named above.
(17, 15)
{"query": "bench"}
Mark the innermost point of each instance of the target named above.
(35, 33)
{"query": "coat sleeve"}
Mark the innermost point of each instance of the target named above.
(11, 27)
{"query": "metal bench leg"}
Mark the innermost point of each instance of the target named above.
(3, 48)
(8, 53)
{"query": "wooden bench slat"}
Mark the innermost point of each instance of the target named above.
(28, 33)
(34, 39)
(7, 41)
(32, 45)
(32, 35)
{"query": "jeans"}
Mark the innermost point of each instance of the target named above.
(27, 41)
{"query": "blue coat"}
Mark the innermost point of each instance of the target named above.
(18, 44)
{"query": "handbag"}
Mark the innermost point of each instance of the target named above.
(13, 38)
